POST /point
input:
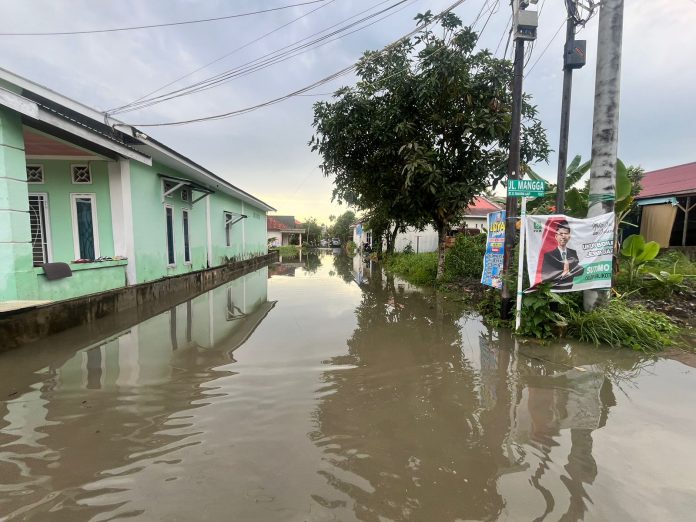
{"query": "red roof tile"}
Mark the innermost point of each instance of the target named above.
(481, 207)
(671, 181)
(274, 224)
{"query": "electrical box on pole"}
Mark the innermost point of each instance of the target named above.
(575, 54)
(526, 23)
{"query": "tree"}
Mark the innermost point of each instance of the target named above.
(341, 228)
(425, 130)
(313, 231)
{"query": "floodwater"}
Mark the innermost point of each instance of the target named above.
(319, 389)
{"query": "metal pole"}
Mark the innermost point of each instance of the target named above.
(605, 125)
(520, 265)
(565, 122)
(513, 173)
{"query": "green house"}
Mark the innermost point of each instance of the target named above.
(89, 204)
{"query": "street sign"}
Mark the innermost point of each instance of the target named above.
(526, 188)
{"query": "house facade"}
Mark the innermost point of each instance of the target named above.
(88, 204)
(281, 229)
(425, 240)
(668, 201)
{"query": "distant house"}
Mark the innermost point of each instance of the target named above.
(426, 240)
(667, 203)
(90, 204)
(282, 228)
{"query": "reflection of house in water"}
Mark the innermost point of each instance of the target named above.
(219, 320)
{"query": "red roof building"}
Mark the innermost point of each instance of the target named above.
(667, 199)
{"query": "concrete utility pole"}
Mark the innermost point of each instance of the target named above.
(605, 128)
(524, 28)
(573, 58)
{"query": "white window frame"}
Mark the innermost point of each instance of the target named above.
(43, 174)
(227, 216)
(166, 237)
(186, 229)
(95, 223)
(47, 227)
(72, 174)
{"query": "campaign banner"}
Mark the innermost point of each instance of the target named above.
(572, 254)
(495, 250)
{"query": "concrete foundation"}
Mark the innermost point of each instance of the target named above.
(105, 312)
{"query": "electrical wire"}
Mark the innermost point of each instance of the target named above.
(331, 77)
(267, 60)
(546, 48)
(505, 30)
(237, 49)
(170, 24)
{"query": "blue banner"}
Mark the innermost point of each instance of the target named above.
(495, 250)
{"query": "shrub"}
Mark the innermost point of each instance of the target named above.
(351, 248)
(419, 269)
(542, 313)
(288, 250)
(465, 258)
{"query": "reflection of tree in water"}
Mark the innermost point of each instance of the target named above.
(312, 262)
(343, 266)
(403, 423)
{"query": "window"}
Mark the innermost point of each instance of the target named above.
(81, 174)
(185, 196)
(228, 229)
(187, 248)
(38, 222)
(35, 174)
(85, 229)
(169, 213)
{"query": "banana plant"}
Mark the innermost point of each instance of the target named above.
(638, 253)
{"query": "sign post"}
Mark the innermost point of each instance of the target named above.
(524, 188)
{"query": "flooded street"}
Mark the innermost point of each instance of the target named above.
(319, 389)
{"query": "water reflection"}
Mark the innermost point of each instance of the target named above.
(424, 429)
(55, 438)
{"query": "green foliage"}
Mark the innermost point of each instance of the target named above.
(638, 253)
(465, 258)
(351, 248)
(419, 269)
(666, 283)
(540, 317)
(426, 128)
(288, 250)
(408, 249)
(341, 228)
(313, 234)
(622, 324)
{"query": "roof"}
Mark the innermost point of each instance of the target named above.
(672, 181)
(45, 107)
(288, 223)
(482, 206)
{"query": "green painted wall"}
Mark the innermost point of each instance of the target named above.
(149, 221)
(59, 187)
(17, 280)
(86, 279)
(150, 226)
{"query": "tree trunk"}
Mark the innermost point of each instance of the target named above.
(391, 239)
(441, 240)
(605, 128)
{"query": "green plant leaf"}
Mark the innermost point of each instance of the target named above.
(650, 251)
(633, 246)
(623, 183)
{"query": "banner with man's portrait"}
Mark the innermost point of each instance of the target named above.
(569, 253)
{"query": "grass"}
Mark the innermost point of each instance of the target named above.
(621, 323)
(419, 269)
(288, 250)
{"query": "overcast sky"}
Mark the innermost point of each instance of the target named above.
(265, 152)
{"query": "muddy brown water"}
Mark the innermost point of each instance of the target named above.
(319, 389)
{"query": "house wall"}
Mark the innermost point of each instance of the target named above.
(59, 187)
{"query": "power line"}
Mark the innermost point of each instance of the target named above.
(337, 74)
(545, 48)
(170, 24)
(279, 55)
(329, 2)
(505, 30)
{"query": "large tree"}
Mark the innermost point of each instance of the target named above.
(425, 130)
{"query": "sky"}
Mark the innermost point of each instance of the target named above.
(266, 152)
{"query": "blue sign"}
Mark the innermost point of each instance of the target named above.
(495, 250)
(358, 229)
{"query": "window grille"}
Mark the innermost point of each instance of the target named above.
(228, 228)
(187, 247)
(168, 185)
(169, 214)
(185, 195)
(37, 222)
(35, 174)
(81, 174)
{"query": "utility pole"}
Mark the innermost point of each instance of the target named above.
(605, 126)
(524, 28)
(573, 58)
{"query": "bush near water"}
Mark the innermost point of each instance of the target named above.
(623, 322)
